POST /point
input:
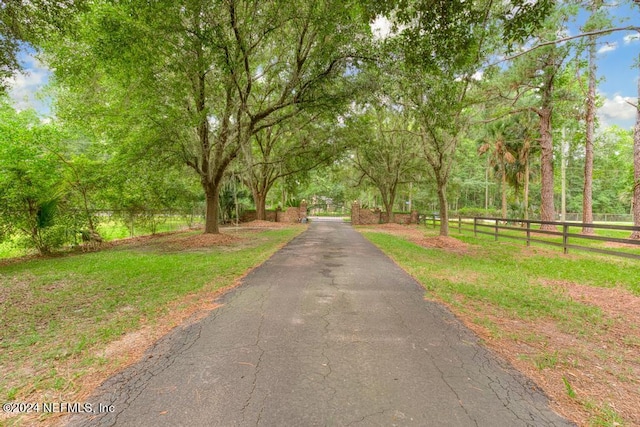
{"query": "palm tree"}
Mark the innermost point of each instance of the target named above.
(500, 156)
(524, 146)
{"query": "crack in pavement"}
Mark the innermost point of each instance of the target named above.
(123, 389)
(371, 415)
(325, 344)
(256, 344)
(451, 388)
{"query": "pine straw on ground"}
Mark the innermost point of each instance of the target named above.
(198, 241)
(264, 224)
(597, 367)
(175, 241)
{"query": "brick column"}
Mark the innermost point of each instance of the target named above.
(355, 213)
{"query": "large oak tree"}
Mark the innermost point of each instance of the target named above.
(197, 79)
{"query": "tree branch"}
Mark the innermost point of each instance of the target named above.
(564, 39)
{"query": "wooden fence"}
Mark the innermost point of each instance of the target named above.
(567, 235)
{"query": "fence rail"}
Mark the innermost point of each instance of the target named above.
(566, 235)
(599, 217)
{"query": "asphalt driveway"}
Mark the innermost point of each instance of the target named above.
(328, 332)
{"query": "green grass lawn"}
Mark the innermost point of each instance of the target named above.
(112, 230)
(8, 249)
(60, 309)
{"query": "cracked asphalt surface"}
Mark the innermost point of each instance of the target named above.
(328, 332)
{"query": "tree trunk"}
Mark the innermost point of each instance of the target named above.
(563, 177)
(547, 209)
(444, 209)
(388, 201)
(587, 196)
(212, 192)
(526, 189)
(504, 191)
(260, 200)
(636, 169)
(486, 187)
(389, 211)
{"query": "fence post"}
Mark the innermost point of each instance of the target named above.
(565, 237)
(475, 226)
(496, 230)
(459, 224)
(528, 233)
(434, 220)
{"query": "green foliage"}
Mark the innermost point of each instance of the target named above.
(29, 178)
(194, 81)
(473, 212)
(149, 93)
(385, 152)
(318, 187)
(293, 203)
(234, 199)
(523, 18)
(53, 183)
(606, 416)
(289, 151)
(46, 213)
(33, 22)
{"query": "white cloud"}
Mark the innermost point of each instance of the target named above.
(381, 28)
(24, 86)
(608, 47)
(630, 38)
(477, 75)
(617, 110)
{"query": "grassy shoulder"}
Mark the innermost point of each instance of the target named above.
(560, 319)
(61, 316)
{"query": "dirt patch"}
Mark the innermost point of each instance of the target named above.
(131, 346)
(617, 303)
(597, 367)
(618, 245)
(443, 242)
(198, 241)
